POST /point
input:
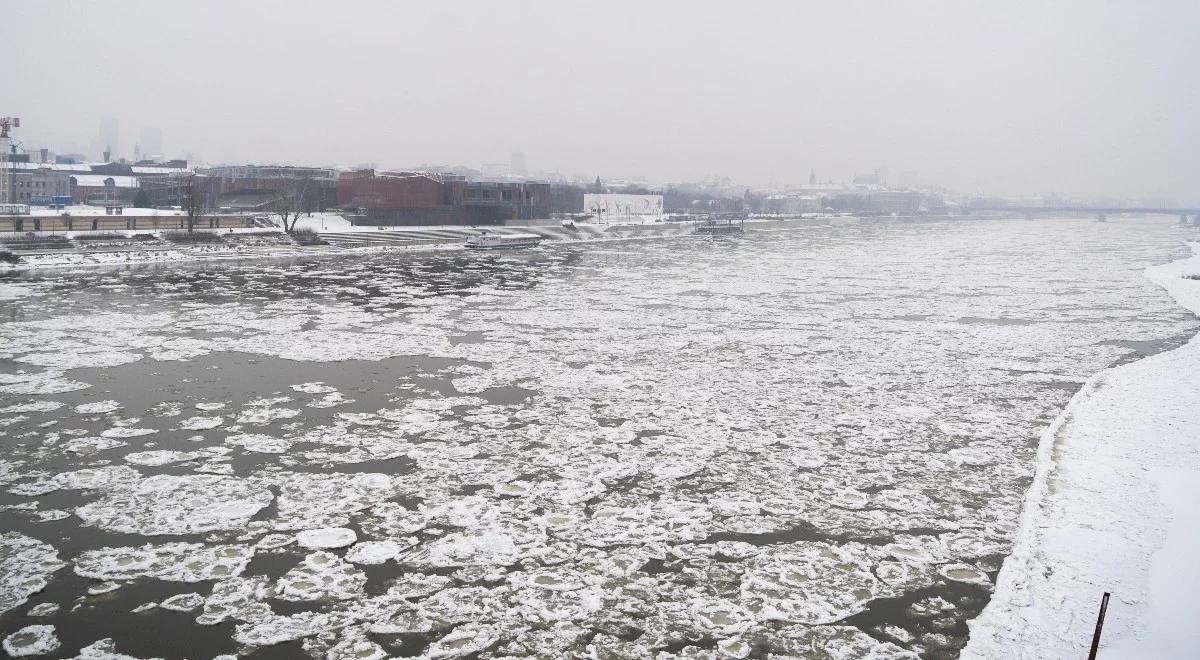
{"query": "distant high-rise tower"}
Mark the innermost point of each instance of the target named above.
(517, 163)
(812, 177)
(108, 140)
(151, 140)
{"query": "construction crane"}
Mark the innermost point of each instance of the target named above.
(7, 123)
(6, 177)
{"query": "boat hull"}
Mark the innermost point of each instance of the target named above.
(509, 246)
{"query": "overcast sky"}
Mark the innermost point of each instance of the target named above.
(1078, 98)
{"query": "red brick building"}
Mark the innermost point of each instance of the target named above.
(389, 191)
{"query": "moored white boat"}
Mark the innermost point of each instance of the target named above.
(489, 241)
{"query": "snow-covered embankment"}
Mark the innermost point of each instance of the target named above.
(1115, 506)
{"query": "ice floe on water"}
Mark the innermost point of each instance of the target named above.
(183, 602)
(25, 566)
(98, 407)
(43, 609)
(326, 538)
(102, 649)
(126, 432)
(175, 562)
(92, 444)
(157, 457)
(42, 382)
(259, 443)
(372, 553)
(308, 500)
(31, 641)
(321, 576)
(64, 361)
(262, 413)
(171, 504)
(676, 449)
(200, 423)
(32, 406)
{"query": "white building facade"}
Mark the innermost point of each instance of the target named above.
(619, 208)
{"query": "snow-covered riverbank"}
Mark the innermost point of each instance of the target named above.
(1113, 508)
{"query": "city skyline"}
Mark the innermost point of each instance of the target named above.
(1075, 99)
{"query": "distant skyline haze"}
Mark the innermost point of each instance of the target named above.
(1073, 98)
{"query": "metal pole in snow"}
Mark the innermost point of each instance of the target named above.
(1099, 627)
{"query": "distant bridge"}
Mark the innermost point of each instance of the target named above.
(1088, 209)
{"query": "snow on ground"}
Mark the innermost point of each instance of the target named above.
(324, 222)
(1112, 508)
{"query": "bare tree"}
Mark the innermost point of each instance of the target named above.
(291, 201)
(194, 202)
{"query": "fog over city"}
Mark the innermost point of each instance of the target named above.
(1073, 98)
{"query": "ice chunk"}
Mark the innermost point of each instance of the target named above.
(832, 642)
(169, 504)
(200, 423)
(473, 547)
(274, 629)
(183, 602)
(321, 576)
(30, 641)
(325, 538)
(356, 647)
(103, 649)
(264, 415)
(372, 553)
(99, 588)
(314, 388)
(126, 432)
(46, 382)
(92, 444)
(308, 500)
(24, 565)
(98, 407)
(174, 562)
(236, 598)
(465, 640)
(78, 360)
(160, 457)
(32, 406)
(965, 573)
(104, 478)
(259, 444)
(810, 582)
(43, 609)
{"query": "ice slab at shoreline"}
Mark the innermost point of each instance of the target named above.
(1111, 509)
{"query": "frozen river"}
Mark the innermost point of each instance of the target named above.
(811, 442)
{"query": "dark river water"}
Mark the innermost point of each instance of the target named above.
(806, 442)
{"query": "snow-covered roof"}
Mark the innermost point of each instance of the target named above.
(154, 169)
(80, 211)
(100, 180)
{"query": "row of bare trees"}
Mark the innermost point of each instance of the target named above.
(290, 202)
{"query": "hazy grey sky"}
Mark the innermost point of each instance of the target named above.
(1074, 97)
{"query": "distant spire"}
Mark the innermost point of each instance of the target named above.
(812, 177)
